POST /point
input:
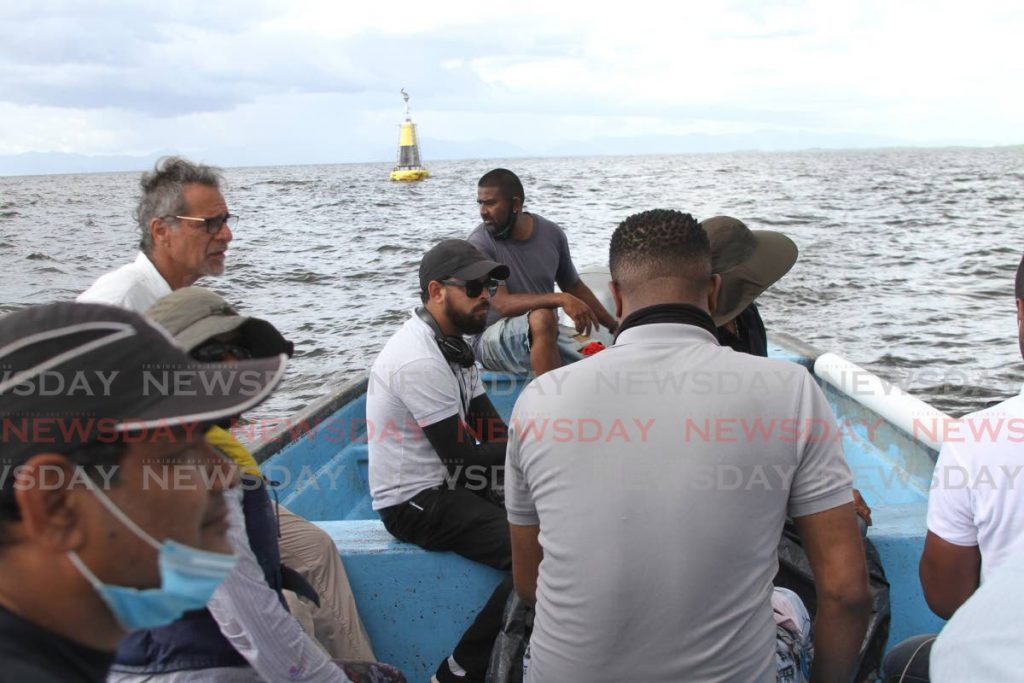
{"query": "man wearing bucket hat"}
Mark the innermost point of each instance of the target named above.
(749, 261)
(205, 324)
(92, 545)
(247, 633)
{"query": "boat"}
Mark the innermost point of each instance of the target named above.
(415, 604)
(409, 167)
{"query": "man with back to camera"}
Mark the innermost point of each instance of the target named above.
(185, 228)
(522, 327)
(92, 546)
(436, 492)
(668, 575)
(975, 521)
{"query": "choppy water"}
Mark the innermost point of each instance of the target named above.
(906, 256)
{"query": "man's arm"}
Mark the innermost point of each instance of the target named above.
(252, 619)
(456, 446)
(485, 421)
(832, 542)
(950, 574)
(581, 291)
(511, 305)
(526, 557)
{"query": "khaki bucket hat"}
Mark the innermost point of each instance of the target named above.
(193, 315)
(749, 261)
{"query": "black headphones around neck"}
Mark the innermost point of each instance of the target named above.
(454, 349)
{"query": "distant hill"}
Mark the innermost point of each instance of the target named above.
(47, 163)
(53, 163)
(707, 143)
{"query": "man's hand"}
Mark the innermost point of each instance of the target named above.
(581, 314)
(834, 549)
(863, 511)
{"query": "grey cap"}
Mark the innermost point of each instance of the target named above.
(194, 315)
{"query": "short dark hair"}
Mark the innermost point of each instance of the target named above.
(506, 181)
(1019, 286)
(163, 192)
(659, 243)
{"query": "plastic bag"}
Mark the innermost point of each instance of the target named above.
(506, 664)
(795, 574)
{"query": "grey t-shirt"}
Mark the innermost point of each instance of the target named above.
(536, 264)
(661, 471)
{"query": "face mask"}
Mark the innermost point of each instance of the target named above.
(188, 578)
(506, 230)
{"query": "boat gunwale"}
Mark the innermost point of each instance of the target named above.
(312, 416)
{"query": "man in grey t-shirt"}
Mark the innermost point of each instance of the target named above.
(522, 333)
(655, 489)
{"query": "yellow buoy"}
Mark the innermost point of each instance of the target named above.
(409, 167)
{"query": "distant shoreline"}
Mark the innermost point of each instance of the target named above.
(62, 164)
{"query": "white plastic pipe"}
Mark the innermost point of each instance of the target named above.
(907, 412)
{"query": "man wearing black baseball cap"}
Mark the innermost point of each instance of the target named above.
(439, 492)
(112, 515)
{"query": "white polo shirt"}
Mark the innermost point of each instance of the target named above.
(977, 495)
(135, 286)
(411, 386)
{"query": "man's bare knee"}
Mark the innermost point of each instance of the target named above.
(543, 323)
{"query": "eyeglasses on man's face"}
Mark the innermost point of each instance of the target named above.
(474, 288)
(213, 224)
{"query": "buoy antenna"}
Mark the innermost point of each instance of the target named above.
(405, 96)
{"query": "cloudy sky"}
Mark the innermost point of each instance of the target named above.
(267, 82)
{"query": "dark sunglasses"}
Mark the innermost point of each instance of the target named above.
(215, 352)
(213, 224)
(474, 288)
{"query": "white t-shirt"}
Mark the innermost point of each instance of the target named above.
(411, 386)
(977, 495)
(135, 286)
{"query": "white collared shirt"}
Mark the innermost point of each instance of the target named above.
(135, 286)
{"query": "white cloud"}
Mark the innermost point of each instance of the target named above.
(120, 77)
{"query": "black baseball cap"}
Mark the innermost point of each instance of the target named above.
(75, 373)
(458, 258)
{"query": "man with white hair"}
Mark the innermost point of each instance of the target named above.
(185, 229)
